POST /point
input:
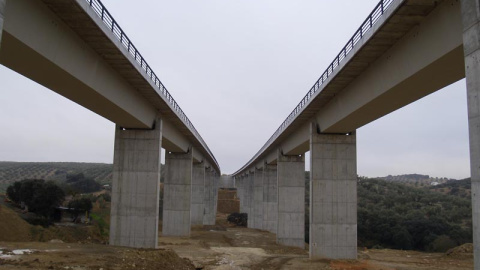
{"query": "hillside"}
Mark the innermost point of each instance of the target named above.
(399, 216)
(459, 188)
(57, 171)
(402, 216)
(417, 180)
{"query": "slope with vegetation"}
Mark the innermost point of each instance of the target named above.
(401, 216)
(57, 171)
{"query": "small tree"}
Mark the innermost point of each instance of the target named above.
(39, 196)
(79, 206)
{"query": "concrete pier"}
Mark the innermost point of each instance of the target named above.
(333, 196)
(2, 16)
(270, 198)
(258, 199)
(198, 194)
(251, 198)
(240, 192)
(471, 46)
(177, 194)
(291, 200)
(209, 216)
(216, 187)
(136, 187)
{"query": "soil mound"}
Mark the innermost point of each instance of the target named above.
(227, 201)
(12, 227)
(465, 249)
(154, 259)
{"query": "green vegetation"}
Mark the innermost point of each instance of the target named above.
(39, 196)
(56, 171)
(398, 216)
(79, 206)
(459, 188)
(78, 183)
(401, 216)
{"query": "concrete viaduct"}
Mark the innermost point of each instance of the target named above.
(75, 48)
(405, 50)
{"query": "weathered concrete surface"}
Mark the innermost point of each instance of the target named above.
(209, 214)
(333, 196)
(251, 198)
(136, 187)
(270, 198)
(471, 45)
(258, 199)
(2, 16)
(291, 200)
(198, 194)
(216, 183)
(177, 194)
(227, 181)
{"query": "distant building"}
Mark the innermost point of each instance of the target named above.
(434, 183)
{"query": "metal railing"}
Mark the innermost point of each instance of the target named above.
(117, 31)
(368, 24)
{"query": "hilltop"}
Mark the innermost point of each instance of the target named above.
(417, 180)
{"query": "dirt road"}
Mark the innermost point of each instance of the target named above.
(213, 247)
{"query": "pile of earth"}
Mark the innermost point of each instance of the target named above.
(465, 250)
(227, 201)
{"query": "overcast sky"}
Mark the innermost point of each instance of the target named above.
(238, 68)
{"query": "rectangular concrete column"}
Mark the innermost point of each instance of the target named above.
(270, 198)
(258, 199)
(291, 200)
(471, 47)
(239, 186)
(208, 216)
(333, 196)
(136, 187)
(216, 187)
(251, 199)
(2, 16)
(198, 194)
(177, 194)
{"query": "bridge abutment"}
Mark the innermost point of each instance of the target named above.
(136, 187)
(471, 46)
(333, 196)
(258, 199)
(270, 203)
(198, 194)
(177, 194)
(291, 200)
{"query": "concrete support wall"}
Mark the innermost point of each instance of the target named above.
(258, 199)
(471, 46)
(2, 16)
(209, 216)
(216, 186)
(238, 186)
(333, 196)
(291, 200)
(136, 187)
(198, 194)
(270, 198)
(251, 198)
(177, 194)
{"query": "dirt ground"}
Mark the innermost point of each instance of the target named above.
(214, 247)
